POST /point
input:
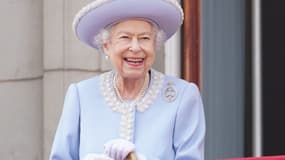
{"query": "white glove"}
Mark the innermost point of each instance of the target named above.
(118, 149)
(94, 156)
(140, 157)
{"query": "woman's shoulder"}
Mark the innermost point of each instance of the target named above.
(176, 82)
(180, 83)
(174, 88)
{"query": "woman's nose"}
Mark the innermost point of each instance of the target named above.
(135, 46)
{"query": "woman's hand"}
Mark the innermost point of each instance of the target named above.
(118, 149)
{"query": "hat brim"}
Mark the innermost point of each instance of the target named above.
(167, 16)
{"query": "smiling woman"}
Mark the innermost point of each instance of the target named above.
(131, 49)
(109, 116)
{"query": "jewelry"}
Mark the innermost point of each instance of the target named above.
(150, 90)
(140, 93)
(107, 89)
(169, 92)
(107, 57)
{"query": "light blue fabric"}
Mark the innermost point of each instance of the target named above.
(165, 131)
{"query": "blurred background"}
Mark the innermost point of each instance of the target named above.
(233, 49)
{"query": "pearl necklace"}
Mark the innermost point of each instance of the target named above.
(150, 93)
(151, 88)
(140, 94)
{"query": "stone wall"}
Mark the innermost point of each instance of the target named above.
(21, 80)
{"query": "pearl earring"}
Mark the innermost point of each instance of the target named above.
(106, 57)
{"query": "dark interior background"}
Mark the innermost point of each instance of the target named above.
(273, 47)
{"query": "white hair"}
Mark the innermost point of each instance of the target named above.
(104, 35)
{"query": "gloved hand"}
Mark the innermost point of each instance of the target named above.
(94, 156)
(118, 149)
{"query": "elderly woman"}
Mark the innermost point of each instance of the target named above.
(133, 109)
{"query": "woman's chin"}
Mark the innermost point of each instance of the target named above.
(134, 74)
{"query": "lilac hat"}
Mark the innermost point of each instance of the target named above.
(167, 14)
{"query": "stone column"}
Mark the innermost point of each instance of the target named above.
(21, 80)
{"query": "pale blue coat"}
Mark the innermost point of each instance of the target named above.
(165, 131)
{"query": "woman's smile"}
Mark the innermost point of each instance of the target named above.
(134, 61)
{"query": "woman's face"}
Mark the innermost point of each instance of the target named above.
(131, 48)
